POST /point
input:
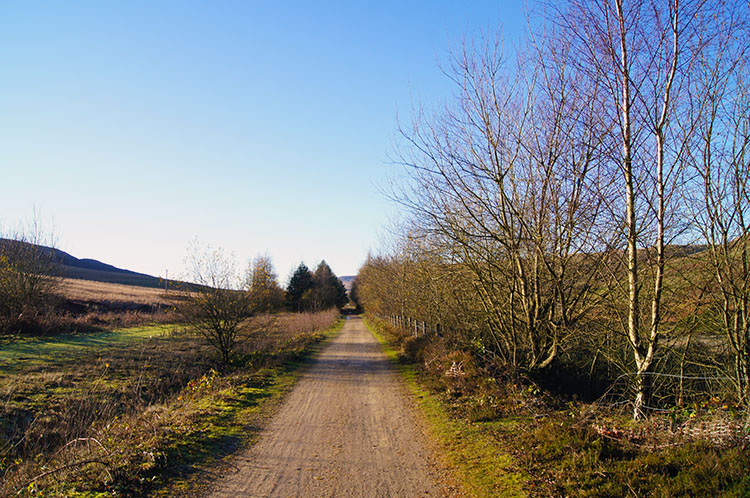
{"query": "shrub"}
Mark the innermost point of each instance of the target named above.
(412, 349)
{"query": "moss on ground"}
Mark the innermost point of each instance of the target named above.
(509, 439)
(168, 447)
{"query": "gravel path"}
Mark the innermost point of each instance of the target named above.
(346, 430)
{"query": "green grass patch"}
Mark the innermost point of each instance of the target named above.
(578, 462)
(482, 464)
(232, 418)
(28, 351)
(150, 418)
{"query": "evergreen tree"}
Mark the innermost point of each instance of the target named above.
(299, 288)
(328, 290)
(354, 295)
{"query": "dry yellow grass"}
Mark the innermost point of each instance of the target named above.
(88, 290)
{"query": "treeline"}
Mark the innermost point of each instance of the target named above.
(584, 207)
(306, 290)
(315, 291)
(217, 301)
(222, 308)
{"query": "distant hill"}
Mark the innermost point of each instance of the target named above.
(348, 280)
(679, 250)
(91, 269)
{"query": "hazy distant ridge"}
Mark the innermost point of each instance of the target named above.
(92, 269)
(348, 280)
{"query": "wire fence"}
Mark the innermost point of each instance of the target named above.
(415, 327)
(668, 392)
(681, 408)
(718, 430)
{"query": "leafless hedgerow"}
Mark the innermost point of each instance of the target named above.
(552, 186)
(501, 184)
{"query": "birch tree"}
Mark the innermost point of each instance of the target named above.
(641, 52)
(216, 307)
(720, 175)
(503, 177)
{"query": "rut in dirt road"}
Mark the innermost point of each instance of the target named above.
(346, 430)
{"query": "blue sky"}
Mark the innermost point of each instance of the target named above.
(261, 127)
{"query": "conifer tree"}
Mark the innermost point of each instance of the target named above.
(300, 285)
(328, 290)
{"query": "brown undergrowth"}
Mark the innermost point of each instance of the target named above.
(566, 447)
(141, 418)
(86, 306)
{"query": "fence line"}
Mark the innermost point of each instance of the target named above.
(415, 327)
(666, 393)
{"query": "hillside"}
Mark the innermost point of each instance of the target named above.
(92, 269)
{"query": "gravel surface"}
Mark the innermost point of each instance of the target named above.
(348, 429)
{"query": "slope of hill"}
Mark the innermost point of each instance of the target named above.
(91, 269)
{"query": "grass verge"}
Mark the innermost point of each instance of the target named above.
(231, 418)
(482, 464)
(507, 437)
(155, 420)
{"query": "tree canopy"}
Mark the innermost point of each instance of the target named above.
(300, 283)
(266, 295)
(328, 290)
(321, 290)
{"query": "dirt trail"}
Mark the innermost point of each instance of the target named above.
(346, 430)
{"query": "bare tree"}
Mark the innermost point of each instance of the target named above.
(553, 181)
(29, 272)
(502, 180)
(216, 306)
(641, 52)
(720, 159)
